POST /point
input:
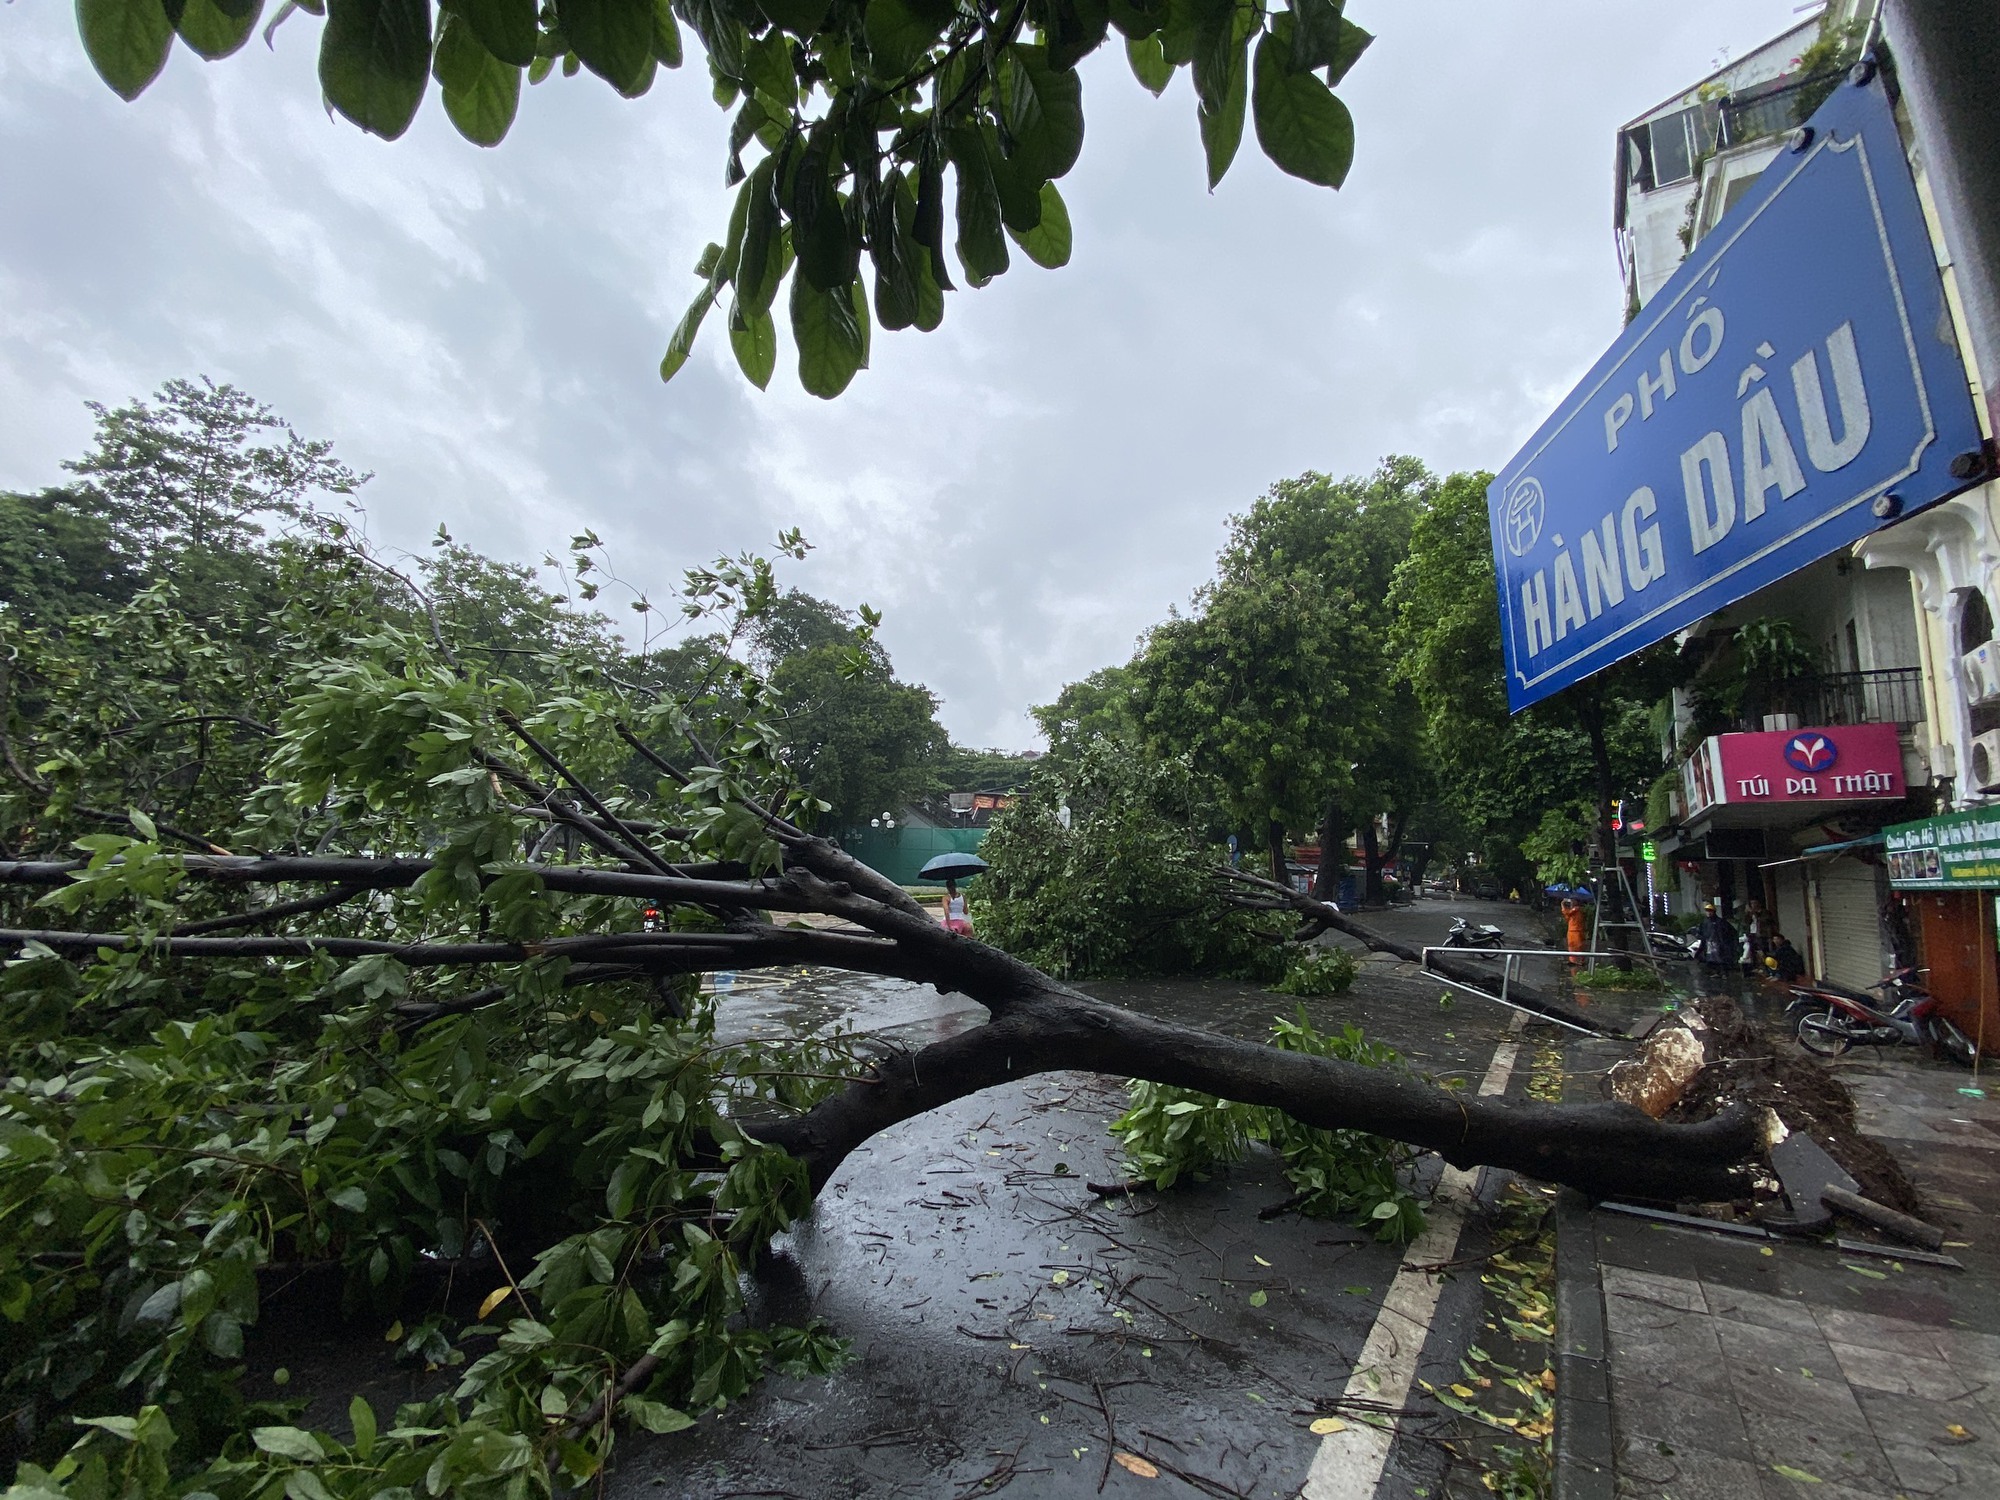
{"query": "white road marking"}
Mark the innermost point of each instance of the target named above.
(1349, 1463)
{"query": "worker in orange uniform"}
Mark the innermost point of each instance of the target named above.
(1572, 910)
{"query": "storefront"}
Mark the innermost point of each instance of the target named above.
(1945, 873)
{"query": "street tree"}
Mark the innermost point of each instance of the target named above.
(370, 1016)
(846, 117)
(1278, 684)
(1590, 742)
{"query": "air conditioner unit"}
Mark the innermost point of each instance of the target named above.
(1986, 761)
(1982, 672)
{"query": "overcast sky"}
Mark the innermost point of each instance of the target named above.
(1023, 492)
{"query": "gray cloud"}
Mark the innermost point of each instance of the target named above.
(1024, 491)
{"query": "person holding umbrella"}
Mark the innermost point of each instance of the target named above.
(952, 868)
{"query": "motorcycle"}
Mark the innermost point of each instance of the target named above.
(1833, 1018)
(1675, 944)
(1466, 934)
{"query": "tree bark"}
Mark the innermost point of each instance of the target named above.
(1371, 863)
(1332, 853)
(1274, 841)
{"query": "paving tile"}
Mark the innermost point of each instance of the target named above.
(1926, 1470)
(1775, 1486)
(1649, 1292)
(1873, 1331)
(1760, 1308)
(1679, 1418)
(1645, 1472)
(1905, 1374)
(1834, 1452)
(1759, 1348)
(1976, 1356)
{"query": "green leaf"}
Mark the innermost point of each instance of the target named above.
(722, 35)
(754, 337)
(1048, 243)
(294, 1443)
(1219, 29)
(1259, 1298)
(481, 92)
(374, 60)
(1301, 125)
(1042, 106)
(830, 337)
(351, 1198)
(1353, 42)
(666, 34)
(614, 38)
(361, 1417)
(1075, 29)
(800, 17)
(827, 253)
(127, 41)
(1149, 64)
(654, 1416)
(982, 243)
(506, 28)
(1019, 189)
(681, 344)
(1786, 1471)
(1222, 129)
(212, 31)
(900, 33)
(760, 266)
(1138, 18)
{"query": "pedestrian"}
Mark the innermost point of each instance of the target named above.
(1719, 950)
(955, 919)
(1572, 910)
(1757, 932)
(1786, 959)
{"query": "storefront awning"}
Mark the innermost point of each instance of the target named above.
(1827, 851)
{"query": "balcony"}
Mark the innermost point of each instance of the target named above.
(1894, 695)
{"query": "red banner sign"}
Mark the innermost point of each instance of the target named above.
(1854, 763)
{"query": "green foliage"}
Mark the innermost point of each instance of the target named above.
(1317, 971)
(1127, 887)
(173, 1131)
(853, 112)
(1169, 1133)
(1606, 977)
(1096, 708)
(1556, 843)
(1279, 685)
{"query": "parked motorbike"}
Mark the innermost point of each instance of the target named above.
(1464, 934)
(1833, 1018)
(1675, 944)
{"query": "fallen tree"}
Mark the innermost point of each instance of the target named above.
(485, 1051)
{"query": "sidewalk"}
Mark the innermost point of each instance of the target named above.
(1703, 1366)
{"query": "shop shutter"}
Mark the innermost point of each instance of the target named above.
(1850, 922)
(1790, 881)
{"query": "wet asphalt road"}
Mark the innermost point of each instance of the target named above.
(1009, 1328)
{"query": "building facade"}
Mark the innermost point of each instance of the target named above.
(1860, 692)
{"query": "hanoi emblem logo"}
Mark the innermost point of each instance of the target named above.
(1522, 525)
(1810, 752)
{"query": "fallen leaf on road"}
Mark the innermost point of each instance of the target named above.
(1258, 1299)
(1131, 1463)
(1260, 1260)
(1788, 1472)
(1958, 1432)
(1323, 1426)
(1060, 1278)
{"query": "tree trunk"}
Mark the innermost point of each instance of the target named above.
(1610, 894)
(1274, 837)
(1603, 1149)
(1332, 853)
(1371, 862)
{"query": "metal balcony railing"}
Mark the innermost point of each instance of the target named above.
(1772, 109)
(1893, 695)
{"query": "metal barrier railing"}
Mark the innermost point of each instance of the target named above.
(1509, 971)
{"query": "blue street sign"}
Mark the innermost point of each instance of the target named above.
(1794, 386)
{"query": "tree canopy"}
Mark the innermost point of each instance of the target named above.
(846, 116)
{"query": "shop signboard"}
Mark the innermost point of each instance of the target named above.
(1952, 852)
(1793, 387)
(1848, 764)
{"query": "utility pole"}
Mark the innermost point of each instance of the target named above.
(1947, 57)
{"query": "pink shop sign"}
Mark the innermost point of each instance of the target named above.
(1853, 763)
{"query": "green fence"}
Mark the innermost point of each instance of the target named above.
(900, 852)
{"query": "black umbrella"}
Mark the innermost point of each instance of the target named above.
(952, 867)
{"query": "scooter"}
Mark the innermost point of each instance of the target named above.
(1466, 934)
(1833, 1018)
(1674, 944)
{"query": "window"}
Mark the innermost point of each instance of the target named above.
(1674, 147)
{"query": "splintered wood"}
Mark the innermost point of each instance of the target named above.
(1672, 1058)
